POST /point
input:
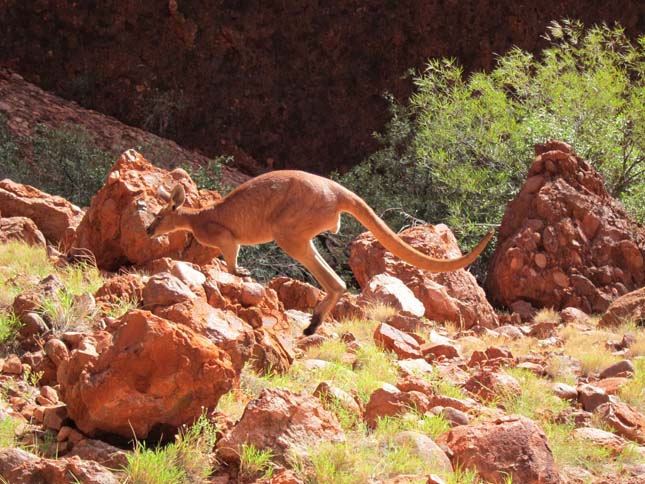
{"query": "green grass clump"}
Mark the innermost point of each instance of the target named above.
(633, 392)
(256, 463)
(22, 267)
(185, 461)
(8, 427)
(9, 326)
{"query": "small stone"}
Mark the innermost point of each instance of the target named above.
(623, 368)
(540, 260)
(591, 396)
(561, 279)
(564, 391)
(54, 416)
(12, 366)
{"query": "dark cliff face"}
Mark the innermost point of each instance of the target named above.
(292, 83)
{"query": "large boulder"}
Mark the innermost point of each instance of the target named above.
(53, 215)
(564, 241)
(283, 422)
(294, 294)
(151, 377)
(446, 296)
(629, 307)
(222, 328)
(18, 466)
(114, 227)
(510, 447)
(20, 229)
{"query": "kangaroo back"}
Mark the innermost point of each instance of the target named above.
(361, 211)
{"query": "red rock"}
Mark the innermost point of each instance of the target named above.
(468, 405)
(255, 304)
(12, 366)
(573, 315)
(624, 419)
(601, 438)
(158, 375)
(627, 308)
(49, 393)
(543, 329)
(54, 416)
(490, 385)
(398, 342)
(491, 357)
(414, 383)
(281, 421)
(53, 215)
(20, 467)
(445, 350)
(390, 291)
(325, 391)
(114, 227)
(612, 385)
(105, 454)
(224, 329)
(424, 447)
(296, 294)
(20, 229)
(270, 354)
(347, 308)
(405, 322)
(624, 368)
(164, 289)
(389, 401)
(447, 296)
(591, 396)
(511, 447)
(565, 242)
(119, 288)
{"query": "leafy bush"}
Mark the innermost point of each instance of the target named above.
(458, 151)
(65, 161)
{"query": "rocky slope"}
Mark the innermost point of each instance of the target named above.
(24, 106)
(293, 84)
(554, 397)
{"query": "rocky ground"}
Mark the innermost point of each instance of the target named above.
(131, 359)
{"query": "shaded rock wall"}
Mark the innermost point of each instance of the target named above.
(293, 84)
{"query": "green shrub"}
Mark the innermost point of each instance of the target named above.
(458, 151)
(9, 326)
(65, 161)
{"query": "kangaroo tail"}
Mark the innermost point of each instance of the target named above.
(356, 206)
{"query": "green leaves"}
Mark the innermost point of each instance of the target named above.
(459, 149)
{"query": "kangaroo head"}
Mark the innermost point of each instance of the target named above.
(162, 224)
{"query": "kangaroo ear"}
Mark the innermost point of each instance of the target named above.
(177, 196)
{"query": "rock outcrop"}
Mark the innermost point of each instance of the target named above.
(158, 376)
(564, 241)
(281, 421)
(512, 447)
(446, 296)
(629, 307)
(54, 216)
(20, 229)
(114, 227)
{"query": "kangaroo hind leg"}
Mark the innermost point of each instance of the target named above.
(305, 253)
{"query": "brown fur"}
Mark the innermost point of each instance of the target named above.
(291, 208)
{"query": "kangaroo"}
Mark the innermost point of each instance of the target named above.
(290, 207)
